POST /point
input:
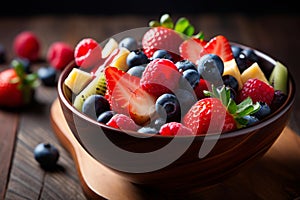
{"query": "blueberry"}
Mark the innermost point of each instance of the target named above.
(230, 82)
(105, 116)
(246, 58)
(263, 112)
(136, 57)
(236, 50)
(167, 106)
(136, 70)
(278, 99)
(129, 43)
(250, 120)
(148, 130)
(183, 65)
(47, 75)
(192, 76)
(46, 155)
(24, 62)
(161, 53)
(211, 68)
(94, 105)
(2, 54)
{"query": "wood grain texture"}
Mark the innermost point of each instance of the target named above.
(275, 34)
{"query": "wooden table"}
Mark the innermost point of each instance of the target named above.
(22, 178)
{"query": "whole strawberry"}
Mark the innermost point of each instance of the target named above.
(16, 87)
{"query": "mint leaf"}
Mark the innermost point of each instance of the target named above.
(181, 24)
(189, 31)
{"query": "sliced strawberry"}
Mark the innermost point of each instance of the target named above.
(160, 76)
(220, 46)
(120, 86)
(161, 38)
(191, 48)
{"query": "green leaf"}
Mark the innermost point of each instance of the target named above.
(199, 36)
(189, 31)
(166, 21)
(181, 24)
(231, 107)
(154, 23)
(19, 67)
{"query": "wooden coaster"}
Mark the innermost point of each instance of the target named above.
(275, 176)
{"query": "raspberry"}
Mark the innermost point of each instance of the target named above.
(59, 55)
(88, 53)
(257, 90)
(122, 122)
(175, 128)
(160, 76)
(27, 45)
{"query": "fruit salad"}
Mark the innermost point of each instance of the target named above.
(174, 82)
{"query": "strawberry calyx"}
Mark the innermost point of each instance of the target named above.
(27, 82)
(238, 111)
(182, 25)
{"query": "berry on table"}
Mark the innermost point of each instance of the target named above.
(60, 54)
(47, 75)
(27, 45)
(46, 155)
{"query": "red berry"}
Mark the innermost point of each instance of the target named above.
(174, 128)
(161, 38)
(88, 53)
(202, 85)
(191, 48)
(207, 116)
(160, 76)
(27, 45)
(59, 55)
(220, 46)
(122, 122)
(257, 90)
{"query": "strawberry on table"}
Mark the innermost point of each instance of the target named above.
(16, 87)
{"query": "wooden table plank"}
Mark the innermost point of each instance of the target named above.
(9, 124)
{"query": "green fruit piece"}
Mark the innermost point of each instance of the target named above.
(166, 21)
(96, 86)
(279, 77)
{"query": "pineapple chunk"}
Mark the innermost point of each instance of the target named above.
(77, 80)
(231, 68)
(120, 60)
(254, 71)
(109, 47)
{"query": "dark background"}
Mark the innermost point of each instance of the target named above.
(97, 7)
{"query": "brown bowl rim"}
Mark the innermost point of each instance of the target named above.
(274, 116)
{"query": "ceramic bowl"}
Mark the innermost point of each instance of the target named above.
(176, 163)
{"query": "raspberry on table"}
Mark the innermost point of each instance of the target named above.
(60, 54)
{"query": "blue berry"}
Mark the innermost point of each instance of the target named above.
(183, 65)
(192, 76)
(161, 53)
(105, 116)
(167, 106)
(149, 130)
(129, 43)
(24, 62)
(136, 57)
(231, 82)
(47, 75)
(211, 68)
(250, 120)
(94, 105)
(136, 71)
(46, 155)
(263, 112)
(236, 50)
(278, 99)
(246, 58)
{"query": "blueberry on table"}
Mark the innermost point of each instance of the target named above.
(47, 75)
(46, 155)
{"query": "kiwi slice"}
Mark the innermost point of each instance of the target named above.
(279, 77)
(96, 86)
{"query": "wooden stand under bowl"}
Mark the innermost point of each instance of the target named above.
(275, 176)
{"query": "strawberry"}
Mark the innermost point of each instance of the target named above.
(16, 87)
(258, 90)
(122, 122)
(119, 85)
(209, 115)
(191, 48)
(220, 46)
(174, 128)
(200, 87)
(161, 38)
(160, 76)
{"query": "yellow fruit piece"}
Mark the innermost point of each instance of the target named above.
(120, 59)
(231, 68)
(77, 80)
(254, 71)
(109, 47)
